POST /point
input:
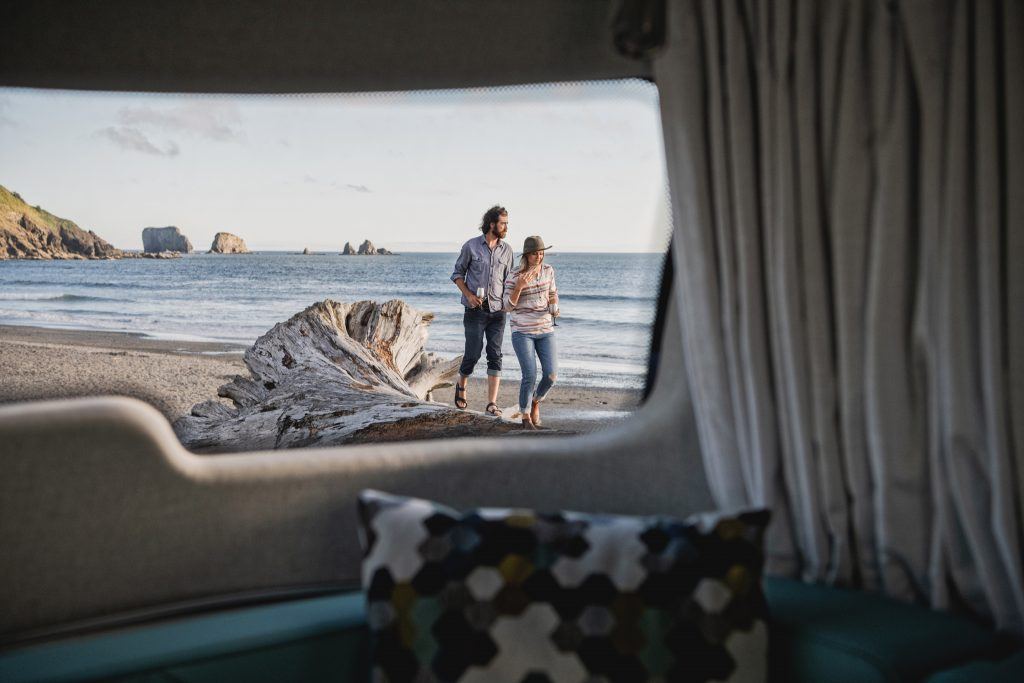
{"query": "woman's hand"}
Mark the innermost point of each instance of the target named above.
(525, 277)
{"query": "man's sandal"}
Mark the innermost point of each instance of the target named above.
(492, 409)
(460, 397)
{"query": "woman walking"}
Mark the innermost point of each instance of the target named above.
(532, 299)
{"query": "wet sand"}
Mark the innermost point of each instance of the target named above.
(41, 363)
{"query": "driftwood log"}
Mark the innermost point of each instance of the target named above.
(333, 374)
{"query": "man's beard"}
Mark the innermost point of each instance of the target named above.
(499, 233)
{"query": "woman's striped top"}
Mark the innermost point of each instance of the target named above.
(531, 314)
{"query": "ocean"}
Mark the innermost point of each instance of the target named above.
(603, 336)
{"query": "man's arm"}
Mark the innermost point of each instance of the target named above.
(459, 276)
(508, 291)
(510, 295)
(471, 297)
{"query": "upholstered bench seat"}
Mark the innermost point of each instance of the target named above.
(314, 639)
(817, 634)
(1007, 670)
(829, 634)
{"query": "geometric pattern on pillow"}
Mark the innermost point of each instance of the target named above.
(515, 595)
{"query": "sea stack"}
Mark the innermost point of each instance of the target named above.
(155, 240)
(306, 252)
(30, 232)
(226, 243)
(367, 249)
(348, 250)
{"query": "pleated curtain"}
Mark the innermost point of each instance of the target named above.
(847, 183)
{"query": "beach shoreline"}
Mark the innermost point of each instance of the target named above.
(39, 363)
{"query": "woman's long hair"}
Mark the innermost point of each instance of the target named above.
(523, 262)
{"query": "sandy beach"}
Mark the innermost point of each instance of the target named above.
(41, 363)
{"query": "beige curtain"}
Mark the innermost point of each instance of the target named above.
(848, 187)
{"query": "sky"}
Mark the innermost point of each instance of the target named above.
(582, 165)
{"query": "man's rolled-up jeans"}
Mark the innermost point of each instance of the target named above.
(481, 324)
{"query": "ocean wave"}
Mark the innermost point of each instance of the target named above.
(97, 285)
(86, 312)
(596, 322)
(74, 321)
(567, 297)
(60, 297)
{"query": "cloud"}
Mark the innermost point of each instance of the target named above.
(358, 188)
(135, 140)
(212, 121)
(138, 126)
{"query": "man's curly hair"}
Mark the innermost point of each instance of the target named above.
(492, 216)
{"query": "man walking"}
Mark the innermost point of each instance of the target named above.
(480, 273)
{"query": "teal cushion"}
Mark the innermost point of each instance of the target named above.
(820, 633)
(1008, 670)
(312, 639)
(817, 633)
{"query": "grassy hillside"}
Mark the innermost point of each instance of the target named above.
(12, 203)
(33, 232)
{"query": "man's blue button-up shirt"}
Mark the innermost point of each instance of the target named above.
(481, 266)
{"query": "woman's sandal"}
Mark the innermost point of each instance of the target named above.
(492, 409)
(460, 395)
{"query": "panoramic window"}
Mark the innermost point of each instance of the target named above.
(283, 271)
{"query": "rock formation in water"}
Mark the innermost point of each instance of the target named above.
(367, 249)
(348, 250)
(334, 374)
(165, 239)
(30, 232)
(306, 252)
(154, 255)
(226, 243)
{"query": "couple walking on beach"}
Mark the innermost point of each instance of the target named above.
(492, 287)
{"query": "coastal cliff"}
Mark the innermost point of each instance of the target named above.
(155, 240)
(30, 232)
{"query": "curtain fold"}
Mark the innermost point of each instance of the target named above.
(847, 178)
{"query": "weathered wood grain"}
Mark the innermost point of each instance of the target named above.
(333, 374)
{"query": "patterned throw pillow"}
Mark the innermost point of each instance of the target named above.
(516, 595)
